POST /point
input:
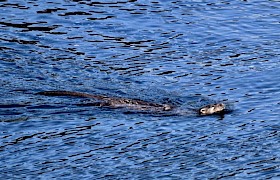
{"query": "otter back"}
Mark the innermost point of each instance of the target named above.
(114, 102)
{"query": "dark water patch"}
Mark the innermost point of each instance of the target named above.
(75, 13)
(12, 105)
(46, 107)
(19, 41)
(13, 5)
(101, 18)
(28, 26)
(51, 10)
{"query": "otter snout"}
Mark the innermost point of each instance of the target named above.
(212, 109)
(167, 107)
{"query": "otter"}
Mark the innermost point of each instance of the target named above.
(134, 104)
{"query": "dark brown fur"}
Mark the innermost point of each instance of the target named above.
(135, 104)
(114, 102)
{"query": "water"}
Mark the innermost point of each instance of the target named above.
(152, 50)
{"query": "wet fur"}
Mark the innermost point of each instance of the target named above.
(114, 102)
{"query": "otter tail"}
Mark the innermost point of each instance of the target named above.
(70, 93)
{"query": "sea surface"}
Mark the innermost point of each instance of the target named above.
(189, 52)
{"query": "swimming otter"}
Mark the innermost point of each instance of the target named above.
(136, 104)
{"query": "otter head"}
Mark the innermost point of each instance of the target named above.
(212, 109)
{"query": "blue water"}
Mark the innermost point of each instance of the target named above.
(152, 50)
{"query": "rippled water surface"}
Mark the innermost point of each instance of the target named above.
(193, 52)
